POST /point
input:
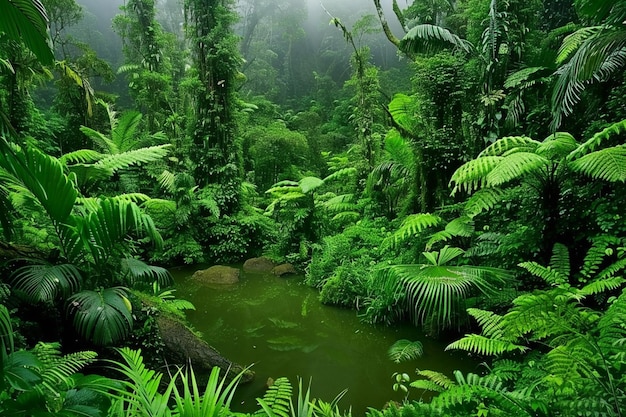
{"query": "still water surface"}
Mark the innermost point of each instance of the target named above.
(279, 325)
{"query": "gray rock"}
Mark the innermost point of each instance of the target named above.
(218, 274)
(283, 269)
(261, 264)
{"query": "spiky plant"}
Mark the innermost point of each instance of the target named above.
(436, 290)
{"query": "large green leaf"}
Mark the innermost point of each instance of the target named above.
(104, 317)
(43, 282)
(27, 21)
(43, 176)
(405, 350)
(607, 164)
(427, 38)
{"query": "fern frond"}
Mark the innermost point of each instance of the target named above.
(472, 175)
(167, 181)
(599, 286)
(414, 224)
(607, 164)
(462, 226)
(100, 140)
(558, 145)
(426, 385)
(134, 157)
(82, 156)
(596, 254)
(559, 261)
(551, 276)
(277, 398)
(482, 200)
(596, 140)
(482, 345)
(514, 166)
(57, 370)
(573, 41)
(520, 77)
(437, 377)
(508, 143)
(404, 350)
(489, 322)
(340, 174)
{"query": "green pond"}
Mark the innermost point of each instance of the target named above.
(279, 326)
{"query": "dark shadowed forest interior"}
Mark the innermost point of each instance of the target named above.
(295, 208)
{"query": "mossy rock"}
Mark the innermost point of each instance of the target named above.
(261, 264)
(184, 346)
(284, 269)
(218, 274)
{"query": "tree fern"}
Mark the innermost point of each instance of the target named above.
(404, 350)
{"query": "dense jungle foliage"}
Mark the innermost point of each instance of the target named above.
(456, 163)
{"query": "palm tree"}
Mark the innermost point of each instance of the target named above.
(589, 55)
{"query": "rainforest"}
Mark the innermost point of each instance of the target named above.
(294, 208)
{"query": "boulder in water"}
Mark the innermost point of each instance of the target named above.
(261, 264)
(284, 269)
(218, 274)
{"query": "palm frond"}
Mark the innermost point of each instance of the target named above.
(43, 176)
(137, 270)
(27, 21)
(7, 344)
(405, 350)
(428, 39)
(103, 317)
(44, 282)
(167, 181)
